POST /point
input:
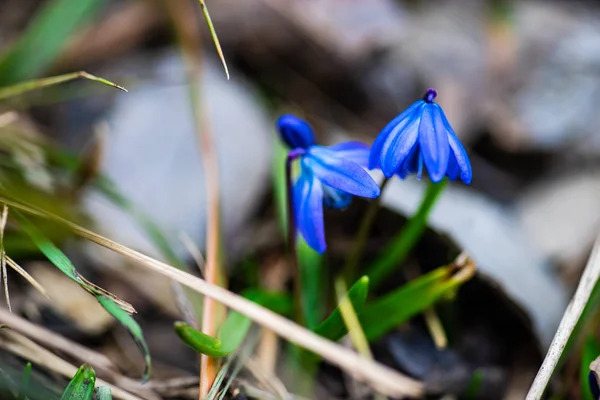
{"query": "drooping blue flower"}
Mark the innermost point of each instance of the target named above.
(328, 175)
(421, 136)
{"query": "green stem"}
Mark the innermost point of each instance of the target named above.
(397, 249)
(358, 245)
(291, 232)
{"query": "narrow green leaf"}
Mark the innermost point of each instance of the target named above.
(103, 393)
(25, 382)
(82, 385)
(134, 329)
(591, 350)
(62, 262)
(45, 36)
(53, 253)
(334, 327)
(395, 308)
(235, 328)
(198, 341)
(213, 35)
(395, 252)
(474, 385)
(28, 86)
(350, 317)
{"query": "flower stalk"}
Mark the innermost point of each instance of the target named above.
(398, 248)
(360, 240)
(291, 230)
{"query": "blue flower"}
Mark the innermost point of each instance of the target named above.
(330, 175)
(419, 136)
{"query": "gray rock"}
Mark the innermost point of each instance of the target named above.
(560, 215)
(152, 154)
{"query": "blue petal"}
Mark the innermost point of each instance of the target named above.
(295, 132)
(462, 158)
(400, 141)
(308, 210)
(376, 150)
(410, 165)
(334, 198)
(453, 169)
(357, 152)
(433, 139)
(459, 153)
(339, 173)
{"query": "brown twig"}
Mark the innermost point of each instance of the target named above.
(188, 36)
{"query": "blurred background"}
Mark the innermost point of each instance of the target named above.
(518, 80)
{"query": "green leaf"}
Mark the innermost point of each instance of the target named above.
(53, 253)
(28, 86)
(278, 302)
(396, 251)
(198, 341)
(103, 393)
(235, 328)
(395, 308)
(45, 36)
(334, 327)
(114, 306)
(591, 350)
(311, 271)
(474, 385)
(82, 385)
(25, 382)
(134, 329)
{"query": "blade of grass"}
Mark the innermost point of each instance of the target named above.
(118, 308)
(350, 318)
(62, 262)
(25, 382)
(395, 252)
(380, 377)
(45, 36)
(81, 387)
(213, 35)
(202, 343)
(334, 328)
(24, 87)
(236, 326)
(395, 308)
(134, 329)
